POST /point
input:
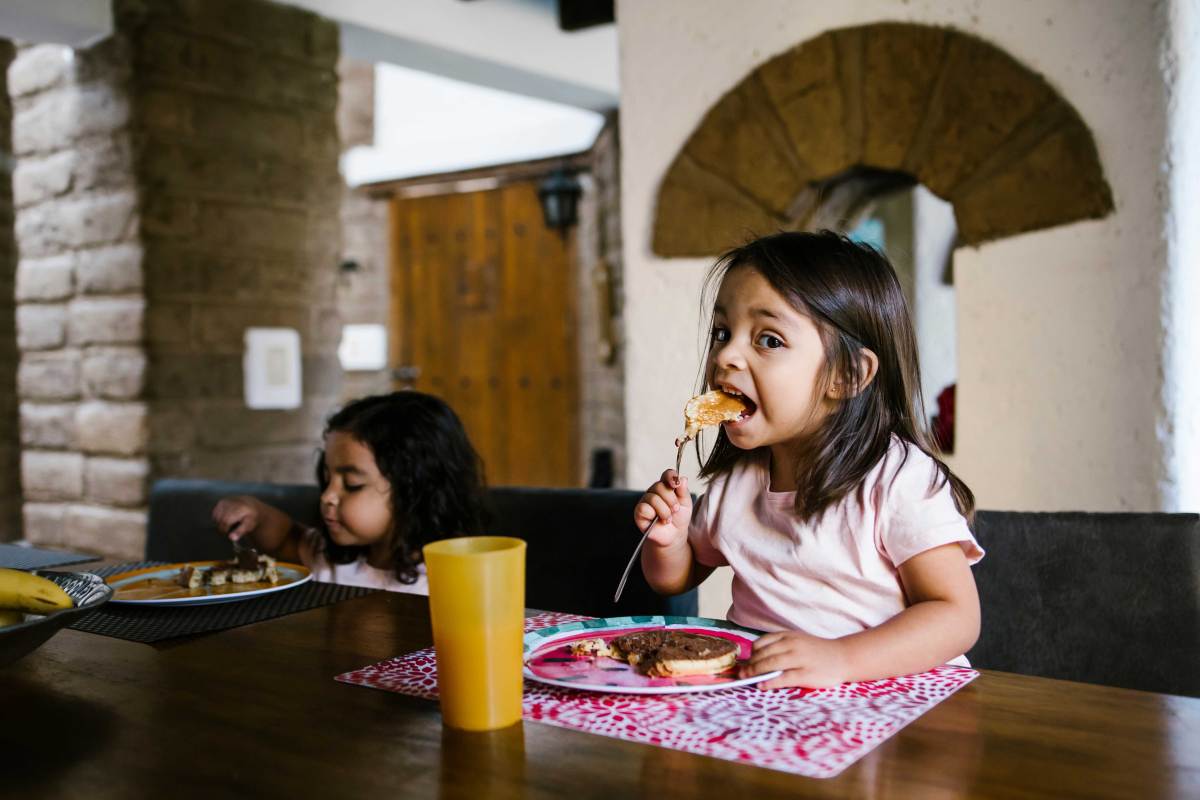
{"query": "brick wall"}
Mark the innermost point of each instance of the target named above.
(234, 112)
(601, 355)
(363, 291)
(79, 301)
(174, 185)
(10, 486)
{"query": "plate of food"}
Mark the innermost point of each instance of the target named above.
(249, 574)
(641, 655)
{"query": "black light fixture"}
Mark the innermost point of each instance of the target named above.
(559, 195)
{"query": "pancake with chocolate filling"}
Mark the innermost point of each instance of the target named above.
(248, 567)
(592, 648)
(668, 654)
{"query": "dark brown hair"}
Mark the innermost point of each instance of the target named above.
(851, 293)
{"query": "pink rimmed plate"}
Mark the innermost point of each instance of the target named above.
(548, 657)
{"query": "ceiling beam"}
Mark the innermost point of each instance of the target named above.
(372, 45)
(511, 45)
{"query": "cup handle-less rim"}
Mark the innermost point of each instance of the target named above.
(473, 547)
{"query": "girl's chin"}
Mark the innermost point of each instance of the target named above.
(341, 536)
(738, 435)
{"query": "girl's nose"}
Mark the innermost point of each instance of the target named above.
(329, 497)
(729, 356)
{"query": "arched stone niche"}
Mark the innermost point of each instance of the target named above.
(914, 102)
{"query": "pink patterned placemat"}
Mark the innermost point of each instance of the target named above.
(812, 732)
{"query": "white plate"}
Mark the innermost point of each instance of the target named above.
(165, 594)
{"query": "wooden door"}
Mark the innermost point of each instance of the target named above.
(483, 316)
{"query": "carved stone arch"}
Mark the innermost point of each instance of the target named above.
(933, 104)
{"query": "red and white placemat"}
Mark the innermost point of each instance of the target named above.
(812, 732)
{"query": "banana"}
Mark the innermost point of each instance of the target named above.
(11, 617)
(24, 591)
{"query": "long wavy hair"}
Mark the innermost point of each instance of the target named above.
(851, 293)
(436, 476)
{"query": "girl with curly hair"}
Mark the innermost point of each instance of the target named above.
(397, 471)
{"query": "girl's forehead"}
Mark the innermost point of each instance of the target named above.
(744, 288)
(342, 446)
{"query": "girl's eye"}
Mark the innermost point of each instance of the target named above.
(769, 341)
(354, 488)
(720, 335)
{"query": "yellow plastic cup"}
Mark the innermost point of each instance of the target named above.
(477, 607)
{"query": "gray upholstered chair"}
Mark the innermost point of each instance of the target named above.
(1099, 598)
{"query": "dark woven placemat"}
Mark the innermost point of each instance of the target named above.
(18, 557)
(138, 624)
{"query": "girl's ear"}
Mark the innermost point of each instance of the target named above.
(868, 367)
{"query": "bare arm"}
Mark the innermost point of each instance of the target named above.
(269, 529)
(672, 569)
(941, 622)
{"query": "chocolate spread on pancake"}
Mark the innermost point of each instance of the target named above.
(245, 559)
(654, 646)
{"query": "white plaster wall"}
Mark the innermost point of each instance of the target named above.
(1180, 424)
(934, 307)
(1060, 359)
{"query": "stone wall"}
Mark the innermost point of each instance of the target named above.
(601, 285)
(79, 299)
(965, 118)
(175, 184)
(10, 485)
(364, 281)
(240, 191)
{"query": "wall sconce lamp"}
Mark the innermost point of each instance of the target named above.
(559, 194)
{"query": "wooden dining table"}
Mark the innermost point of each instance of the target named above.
(255, 711)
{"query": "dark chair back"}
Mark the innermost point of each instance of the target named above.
(578, 539)
(180, 527)
(1100, 598)
(579, 542)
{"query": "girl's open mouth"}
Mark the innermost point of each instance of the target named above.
(751, 407)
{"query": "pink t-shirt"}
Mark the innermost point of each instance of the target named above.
(836, 575)
(356, 573)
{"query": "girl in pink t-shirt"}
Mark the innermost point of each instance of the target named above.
(397, 472)
(847, 536)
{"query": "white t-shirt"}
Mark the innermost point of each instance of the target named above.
(836, 575)
(355, 573)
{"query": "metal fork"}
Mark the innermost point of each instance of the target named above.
(646, 530)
